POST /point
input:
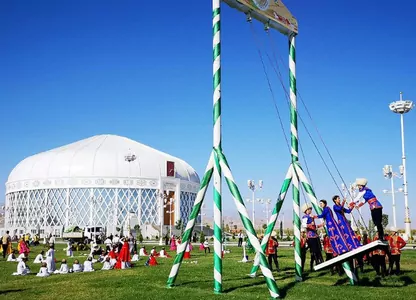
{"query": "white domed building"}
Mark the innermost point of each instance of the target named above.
(92, 183)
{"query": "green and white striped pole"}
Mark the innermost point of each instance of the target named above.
(216, 45)
(273, 219)
(192, 220)
(295, 155)
(312, 197)
(248, 225)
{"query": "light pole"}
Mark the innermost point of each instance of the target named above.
(253, 187)
(267, 203)
(162, 199)
(389, 174)
(202, 214)
(129, 158)
(401, 107)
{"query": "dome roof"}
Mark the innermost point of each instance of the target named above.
(100, 156)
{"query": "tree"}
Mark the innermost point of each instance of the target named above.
(202, 237)
(235, 227)
(264, 226)
(384, 220)
(227, 228)
(281, 229)
(140, 238)
(179, 225)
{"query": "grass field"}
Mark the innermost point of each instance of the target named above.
(195, 281)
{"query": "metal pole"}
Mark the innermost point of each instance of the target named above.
(393, 200)
(406, 200)
(217, 143)
(254, 221)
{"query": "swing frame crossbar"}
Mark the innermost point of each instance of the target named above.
(351, 254)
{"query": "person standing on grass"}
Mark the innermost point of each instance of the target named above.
(396, 244)
(303, 248)
(308, 222)
(271, 251)
(375, 206)
(5, 241)
(206, 246)
(379, 259)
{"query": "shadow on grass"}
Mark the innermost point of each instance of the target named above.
(10, 291)
(260, 282)
(284, 289)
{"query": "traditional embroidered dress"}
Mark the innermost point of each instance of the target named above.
(312, 240)
(375, 206)
(396, 244)
(345, 227)
(22, 247)
(151, 261)
(338, 243)
(154, 252)
(173, 244)
(123, 260)
(187, 254)
(113, 257)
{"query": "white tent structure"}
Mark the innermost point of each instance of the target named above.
(91, 183)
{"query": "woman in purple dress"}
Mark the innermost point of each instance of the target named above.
(338, 243)
(344, 224)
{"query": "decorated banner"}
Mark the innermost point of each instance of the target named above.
(274, 10)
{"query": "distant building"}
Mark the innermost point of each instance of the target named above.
(90, 183)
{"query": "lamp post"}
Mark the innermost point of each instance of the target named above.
(129, 157)
(162, 199)
(202, 214)
(401, 107)
(267, 203)
(253, 187)
(389, 174)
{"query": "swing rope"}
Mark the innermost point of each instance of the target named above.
(278, 73)
(277, 108)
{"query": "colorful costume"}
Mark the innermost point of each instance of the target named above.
(312, 237)
(396, 244)
(123, 260)
(378, 260)
(338, 243)
(173, 244)
(375, 206)
(345, 227)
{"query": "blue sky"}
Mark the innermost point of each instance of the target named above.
(73, 69)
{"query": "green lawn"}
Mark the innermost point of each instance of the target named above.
(195, 281)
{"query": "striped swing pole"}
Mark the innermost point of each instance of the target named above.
(312, 197)
(273, 219)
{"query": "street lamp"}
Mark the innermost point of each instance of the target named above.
(129, 158)
(253, 187)
(267, 203)
(389, 174)
(401, 107)
(162, 199)
(202, 214)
